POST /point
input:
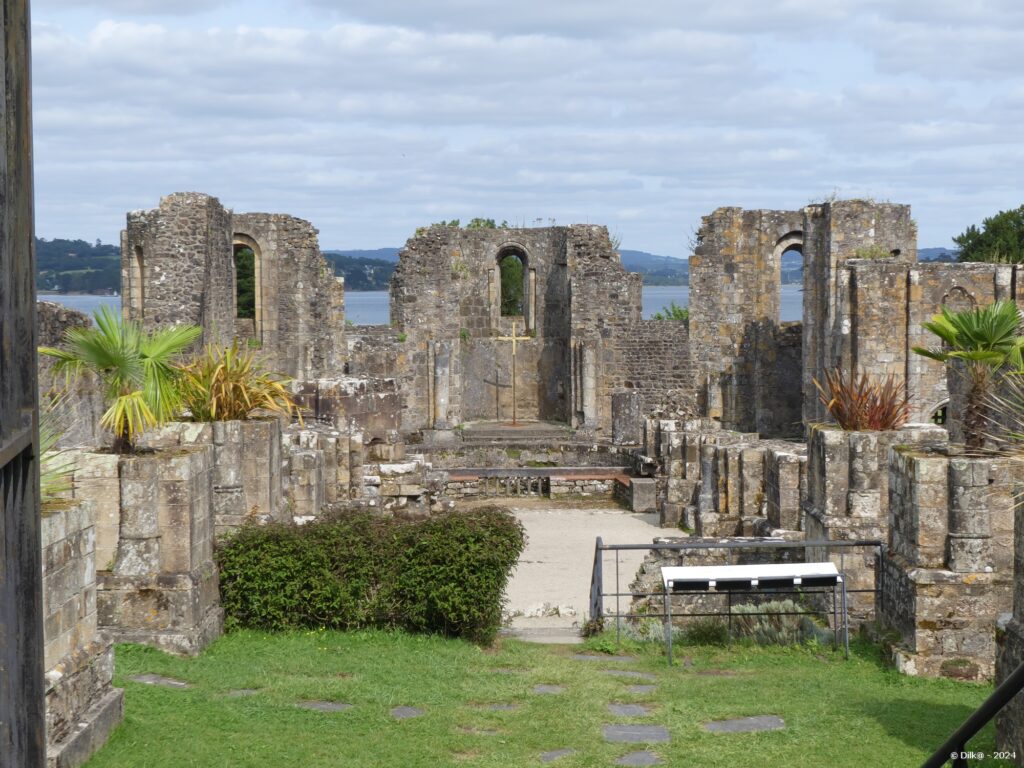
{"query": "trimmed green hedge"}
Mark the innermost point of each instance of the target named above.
(445, 574)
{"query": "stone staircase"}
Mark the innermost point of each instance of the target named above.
(524, 433)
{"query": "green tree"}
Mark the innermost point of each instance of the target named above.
(1000, 239)
(136, 369)
(986, 339)
(672, 312)
(479, 223)
(511, 285)
(245, 282)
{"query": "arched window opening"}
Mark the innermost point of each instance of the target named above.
(511, 267)
(245, 282)
(939, 415)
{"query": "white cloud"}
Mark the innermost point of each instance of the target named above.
(370, 121)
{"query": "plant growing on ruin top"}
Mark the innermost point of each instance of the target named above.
(986, 339)
(861, 402)
(136, 370)
(228, 383)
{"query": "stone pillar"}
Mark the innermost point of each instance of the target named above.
(442, 384)
(589, 386)
(968, 545)
(627, 419)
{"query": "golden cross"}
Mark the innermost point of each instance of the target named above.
(513, 338)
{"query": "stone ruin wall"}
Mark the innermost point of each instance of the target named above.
(734, 300)
(177, 266)
(652, 359)
(581, 310)
(76, 408)
(300, 309)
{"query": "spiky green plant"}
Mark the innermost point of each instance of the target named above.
(987, 339)
(225, 383)
(55, 468)
(135, 367)
(861, 402)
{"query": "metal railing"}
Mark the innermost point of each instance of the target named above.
(600, 613)
(954, 749)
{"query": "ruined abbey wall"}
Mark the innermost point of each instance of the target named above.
(178, 266)
(579, 337)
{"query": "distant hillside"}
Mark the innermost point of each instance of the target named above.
(362, 273)
(657, 270)
(377, 254)
(75, 266)
(936, 254)
(362, 268)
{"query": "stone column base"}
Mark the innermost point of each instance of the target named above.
(946, 620)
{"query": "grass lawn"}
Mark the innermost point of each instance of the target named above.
(837, 712)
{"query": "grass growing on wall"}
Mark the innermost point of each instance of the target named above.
(838, 713)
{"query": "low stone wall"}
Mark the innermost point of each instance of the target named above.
(246, 467)
(948, 573)
(372, 407)
(82, 706)
(647, 586)
(156, 579)
(848, 498)
(516, 456)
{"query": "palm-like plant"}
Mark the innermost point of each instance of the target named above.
(136, 369)
(228, 383)
(986, 339)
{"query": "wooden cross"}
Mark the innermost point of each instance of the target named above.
(513, 338)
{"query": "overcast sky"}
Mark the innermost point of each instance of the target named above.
(372, 118)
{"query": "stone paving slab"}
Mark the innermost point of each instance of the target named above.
(404, 713)
(640, 758)
(548, 688)
(628, 710)
(550, 757)
(747, 724)
(166, 682)
(635, 734)
(499, 707)
(324, 706)
(241, 693)
(595, 657)
(630, 673)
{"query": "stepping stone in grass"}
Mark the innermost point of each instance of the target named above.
(166, 682)
(548, 688)
(498, 707)
(639, 758)
(593, 657)
(747, 724)
(404, 713)
(324, 706)
(628, 710)
(641, 689)
(241, 693)
(635, 734)
(550, 757)
(716, 673)
(630, 673)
